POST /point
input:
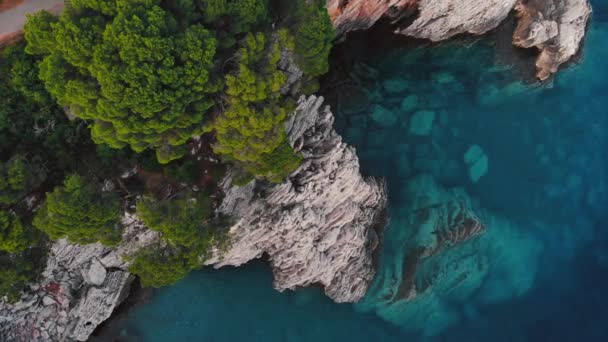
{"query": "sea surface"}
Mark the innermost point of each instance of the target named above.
(452, 123)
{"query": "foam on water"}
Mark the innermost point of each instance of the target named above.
(529, 162)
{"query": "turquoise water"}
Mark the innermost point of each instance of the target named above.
(447, 125)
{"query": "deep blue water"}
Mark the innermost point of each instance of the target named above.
(539, 273)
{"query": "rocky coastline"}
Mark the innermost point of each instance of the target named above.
(555, 28)
(316, 228)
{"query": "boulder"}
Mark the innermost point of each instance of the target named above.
(383, 117)
(421, 123)
(477, 162)
(409, 103)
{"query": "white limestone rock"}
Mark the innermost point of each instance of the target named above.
(555, 27)
(96, 273)
(317, 226)
(440, 20)
(77, 292)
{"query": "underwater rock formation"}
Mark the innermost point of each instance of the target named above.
(79, 289)
(318, 226)
(555, 27)
(440, 250)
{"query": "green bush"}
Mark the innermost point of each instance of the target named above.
(251, 130)
(11, 282)
(157, 268)
(181, 221)
(81, 213)
(31, 122)
(13, 238)
(314, 34)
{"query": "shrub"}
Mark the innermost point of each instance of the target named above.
(13, 238)
(157, 268)
(81, 213)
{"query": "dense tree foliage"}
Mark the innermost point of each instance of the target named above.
(251, 132)
(81, 213)
(31, 123)
(158, 268)
(314, 34)
(181, 221)
(12, 280)
(13, 238)
(142, 79)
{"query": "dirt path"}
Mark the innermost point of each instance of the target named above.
(12, 20)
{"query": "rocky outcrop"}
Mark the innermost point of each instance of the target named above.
(350, 15)
(317, 227)
(79, 289)
(440, 20)
(555, 27)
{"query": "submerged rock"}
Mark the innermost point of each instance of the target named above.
(317, 226)
(395, 85)
(421, 122)
(410, 103)
(383, 116)
(477, 162)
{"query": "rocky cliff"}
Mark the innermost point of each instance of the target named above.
(555, 27)
(317, 227)
(79, 289)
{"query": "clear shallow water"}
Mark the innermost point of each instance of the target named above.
(537, 274)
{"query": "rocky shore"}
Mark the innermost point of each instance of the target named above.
(78, 290)
(317, 228)
(556, 28)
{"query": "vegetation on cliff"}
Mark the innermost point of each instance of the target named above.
(81, 213)
(160, 87)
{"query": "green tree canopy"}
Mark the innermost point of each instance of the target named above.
(181, 221)
(314, 34)
(251, 130)
(158, 268)
(80, 213)
(30, 121)
(12, 280)
(13, 238)
(126, 65)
